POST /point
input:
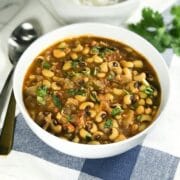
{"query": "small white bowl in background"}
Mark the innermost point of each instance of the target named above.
(70, 11)
(101, 30)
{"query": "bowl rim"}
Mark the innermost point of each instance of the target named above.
(30, 121)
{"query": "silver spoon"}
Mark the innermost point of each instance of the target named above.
(19, 40)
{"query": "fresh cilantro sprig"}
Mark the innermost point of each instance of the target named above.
(153, 28)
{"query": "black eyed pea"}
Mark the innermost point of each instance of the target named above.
(78, 48)
(132, 87)
(62, 45)
(55, 87)
(101, 75)
(32, 77)
(76, 139)
(100, 116)
(148, 111)
(58, 116)
(84, 134)
(142, 95)
(117, 91)
(56, 128)
(114, 134)
(121, 137)
(47, 73)
(141, 102)
(89, 60)
(97, 59)
(138, 64)
(93, 128)
(113, 64)
(127, 76)
(57, 53)
(140, 109)
(109, 97)
(86, 50)
(67, 65)
(92, 113)
(115, 123)
(84, 105)
(127, 64)
(74, 56)
(81, 98)
(98, 135)
(140, 77)
(145, 117)
(46, 83)
(104, 67)
(149, 101)
(127, 99)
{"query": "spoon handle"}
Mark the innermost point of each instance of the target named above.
(4, 97)
(7, 134)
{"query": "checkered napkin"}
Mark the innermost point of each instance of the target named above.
(156, 159)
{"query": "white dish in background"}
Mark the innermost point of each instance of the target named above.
(102, 30)
(70, 11)
(56, 10)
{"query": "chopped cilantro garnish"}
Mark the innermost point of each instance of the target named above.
(88, 138)
(75, 64)
(108, 123)
(69, 118)
(93, 97)
(116, 111)
(73, 92)
(149, 91)
(57, 101)
(95, 49)
(111, 76)
(94, 71)
(102, 50)
(46, 65)
(138, 118)
(42, 91)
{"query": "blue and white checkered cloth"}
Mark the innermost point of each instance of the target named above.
(156, 159)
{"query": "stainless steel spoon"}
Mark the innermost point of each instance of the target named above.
(20, 39)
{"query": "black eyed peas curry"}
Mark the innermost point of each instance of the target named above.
(91, 90)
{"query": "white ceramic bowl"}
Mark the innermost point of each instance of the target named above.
(70, 11)
(103, 30)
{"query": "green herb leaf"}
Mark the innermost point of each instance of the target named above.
(94, 71)
(73, 92)
(95, 50)
(153, 28)
(116, 111)
(93, 97)
(69, 118)
(111, 76)
(108, 123)
(149, 91)
(42, 91)
(57, 101)
(46, 65)
(75, 64)
(88, 138)
(138, 118)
